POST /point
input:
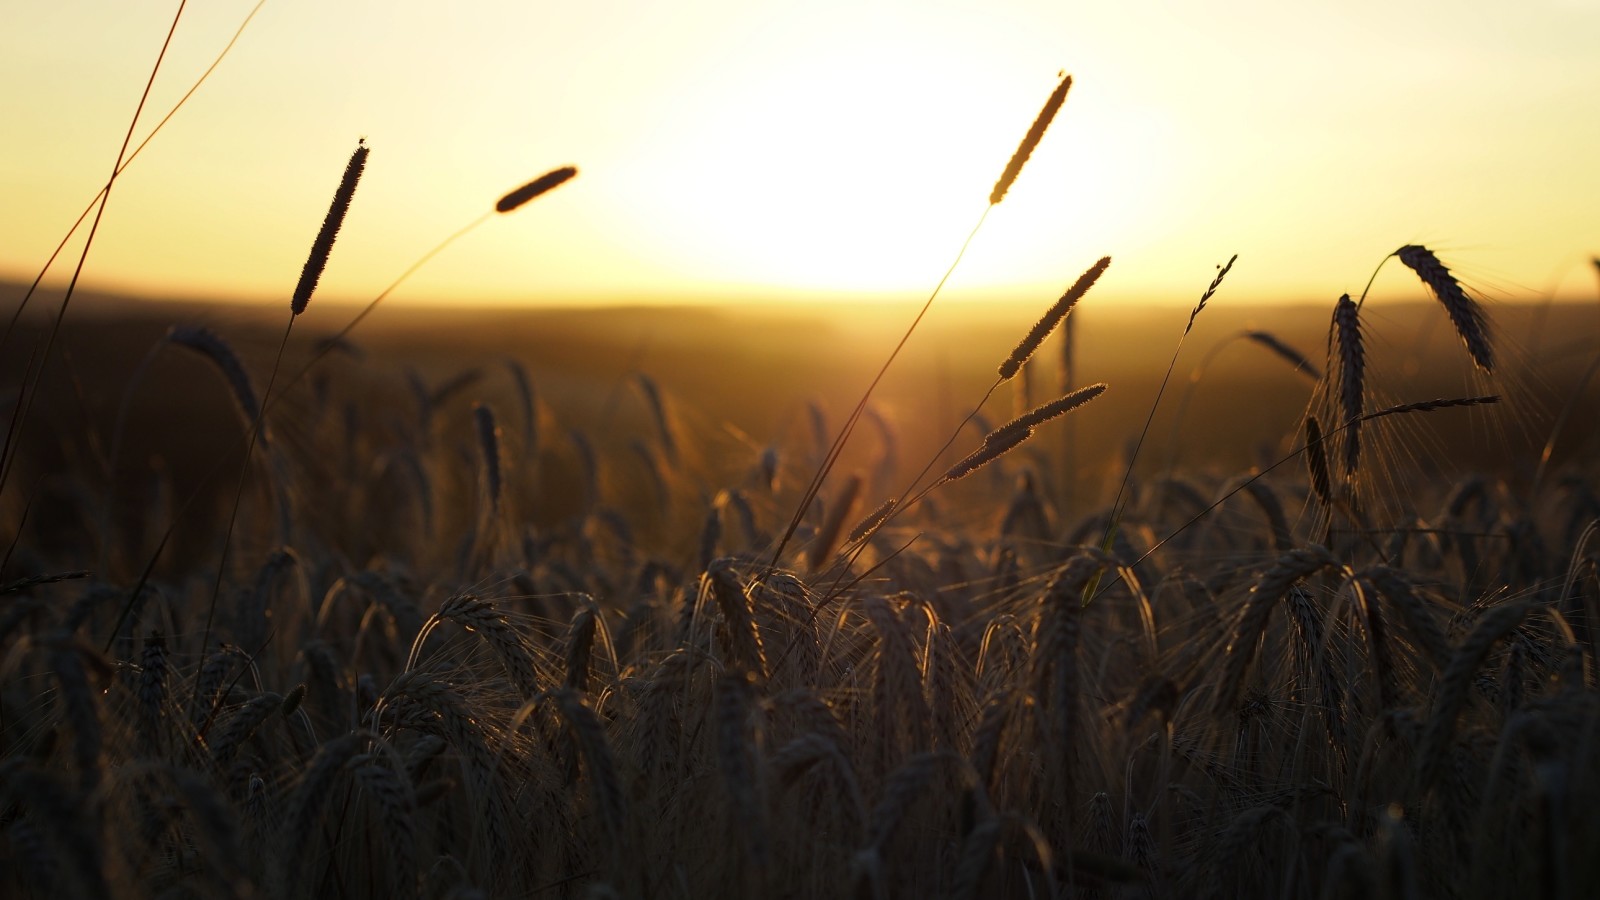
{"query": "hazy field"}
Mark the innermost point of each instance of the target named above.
(472, 640)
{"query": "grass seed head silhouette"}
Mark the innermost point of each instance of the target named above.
(323, 245)
(549, 181)
(1030, 140)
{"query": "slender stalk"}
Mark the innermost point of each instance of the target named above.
(89, 207)
(1127, 475)
(843, 436)
(14, 435)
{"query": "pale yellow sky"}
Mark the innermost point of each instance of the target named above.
(812, 150)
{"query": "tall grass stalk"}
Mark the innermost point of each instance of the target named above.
(1008, 177)
(14, 434)
(316, 262)
(1117, 502)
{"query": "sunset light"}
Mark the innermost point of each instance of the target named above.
(960, 449)
(825, 150)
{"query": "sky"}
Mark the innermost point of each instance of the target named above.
(764, 151)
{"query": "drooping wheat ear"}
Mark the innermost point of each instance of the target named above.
(529, 405)
(446, 712)
(79, 708)
(1286, 353)
(903, 788)
(902, 710)
(152, 689)
(810, 713)
(1414, 612)
(1456, 682)
(1058, 680)
(1317, 460)
(1271, 587)
(590, 732)
(215, 819)
(736, 757)
(209, 344)
(978, 852)
(213, 671)
(421, 755)
(242, 724)
(828, 535)
(1272, 508)
(743, 642)
(546, 182)
(710, 536)
(1465, 313)
(658, 412)
(1369, 612)
(813, 751)
(489, 443)
(987, 736)
(480, 616)
(995, 445)
(386, 783)
(316, 785)
(1030, 140)
(1048, 322)
(580, 647)
(323, 245)
(1316, 658)
(1352, 370)
(1055, 408)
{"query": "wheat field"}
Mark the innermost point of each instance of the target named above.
(418, 619)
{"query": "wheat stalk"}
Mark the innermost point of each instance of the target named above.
(489, 444)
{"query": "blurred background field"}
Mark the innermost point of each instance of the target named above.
(741, 378)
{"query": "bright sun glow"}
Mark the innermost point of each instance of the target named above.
(825, 150)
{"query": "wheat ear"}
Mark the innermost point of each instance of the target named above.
(1352, 371)
(209, 344)
(1285, 352)
(1465, 313)
(1456, 681)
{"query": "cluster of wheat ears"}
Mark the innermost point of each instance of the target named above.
(428, 693)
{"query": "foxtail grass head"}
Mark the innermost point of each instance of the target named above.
(1052, 317)
(323, 245)
(545, 183)
(1030, 140)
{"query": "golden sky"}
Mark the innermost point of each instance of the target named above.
(818, 149)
